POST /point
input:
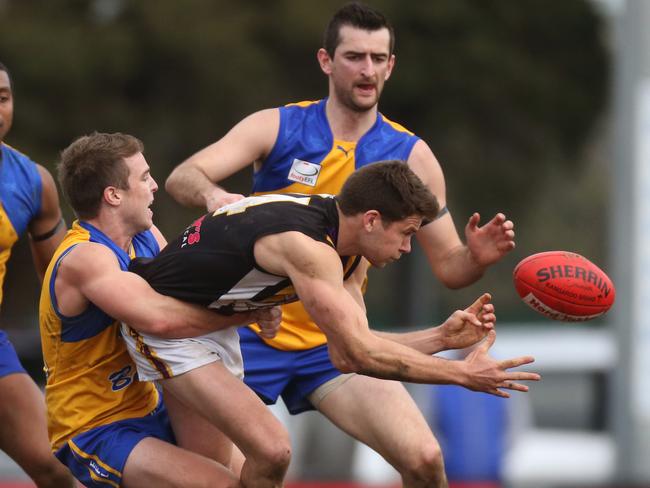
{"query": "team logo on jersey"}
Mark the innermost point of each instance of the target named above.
(122, 378)
(192, 234)
(342, 149)
(304, 172)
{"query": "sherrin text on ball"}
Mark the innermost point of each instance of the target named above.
(564, 286)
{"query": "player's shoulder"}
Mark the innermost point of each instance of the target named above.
(85, 257)
(306, 108)
(303, 104)
(89, 250)
(395, 125)
(15, 160)
(301, 248)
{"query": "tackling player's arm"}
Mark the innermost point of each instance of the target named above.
(194, 182)
(456, 264)
(268, 319)
(317, 276)
(48, 228)
(90, 273)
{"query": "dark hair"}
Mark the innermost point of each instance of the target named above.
(6, 70)
(356, 15)
(92, 163)
(391, 188)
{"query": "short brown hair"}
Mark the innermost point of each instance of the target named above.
(357, 15)
(6, 70)
(92, 163)
(391, 188)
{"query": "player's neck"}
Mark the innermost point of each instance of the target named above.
(347, 124)
(115, 229)
(347, 242)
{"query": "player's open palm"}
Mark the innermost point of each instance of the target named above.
(492, 376)
(489, 243)
(464, 328)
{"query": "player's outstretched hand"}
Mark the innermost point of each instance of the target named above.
(489, 243)
(269, 320)
(464, 328)
(488, 375)
(220, 197)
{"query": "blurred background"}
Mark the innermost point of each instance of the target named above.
(539, 109)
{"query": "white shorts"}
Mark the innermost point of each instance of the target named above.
(158, 359)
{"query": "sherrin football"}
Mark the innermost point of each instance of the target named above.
(564, 286)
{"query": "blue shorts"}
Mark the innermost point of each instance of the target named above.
(294, 375)
(97, 457)
(9, 362)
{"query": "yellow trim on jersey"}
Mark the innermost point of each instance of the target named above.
(306, 103)
(8, 238)
(396, 126)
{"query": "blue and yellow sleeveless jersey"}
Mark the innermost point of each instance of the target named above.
(307, 159)
(20, 200)
(90, 376)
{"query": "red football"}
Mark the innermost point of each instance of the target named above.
(564, 286)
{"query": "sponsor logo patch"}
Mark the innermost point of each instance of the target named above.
(304, 172)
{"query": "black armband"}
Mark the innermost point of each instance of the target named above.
(49, 233)
(444, 210)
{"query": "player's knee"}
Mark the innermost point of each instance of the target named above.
(277, 454)
(270, 449)
(428, 466)
(271, 453)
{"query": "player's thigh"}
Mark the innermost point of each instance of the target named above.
(154, 462)
(195, 433)
(23, 425)
(379, 413)
(229, 404)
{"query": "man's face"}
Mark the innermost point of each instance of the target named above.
(139, 197)
(6, 105)
(361, 65)
(387, 243)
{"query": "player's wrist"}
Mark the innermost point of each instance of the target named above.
(437, 340)
(212, 197)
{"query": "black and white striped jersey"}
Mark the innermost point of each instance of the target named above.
(212, 263)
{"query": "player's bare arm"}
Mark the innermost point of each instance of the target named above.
(91, 273)
(317, 275)
(48, 228)
(454, 263)
(355, 283)
(462, 329)
(194, 182)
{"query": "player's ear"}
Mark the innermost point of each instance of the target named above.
(324, 60)
(370, 220)
(391, 65)
(112, 196)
